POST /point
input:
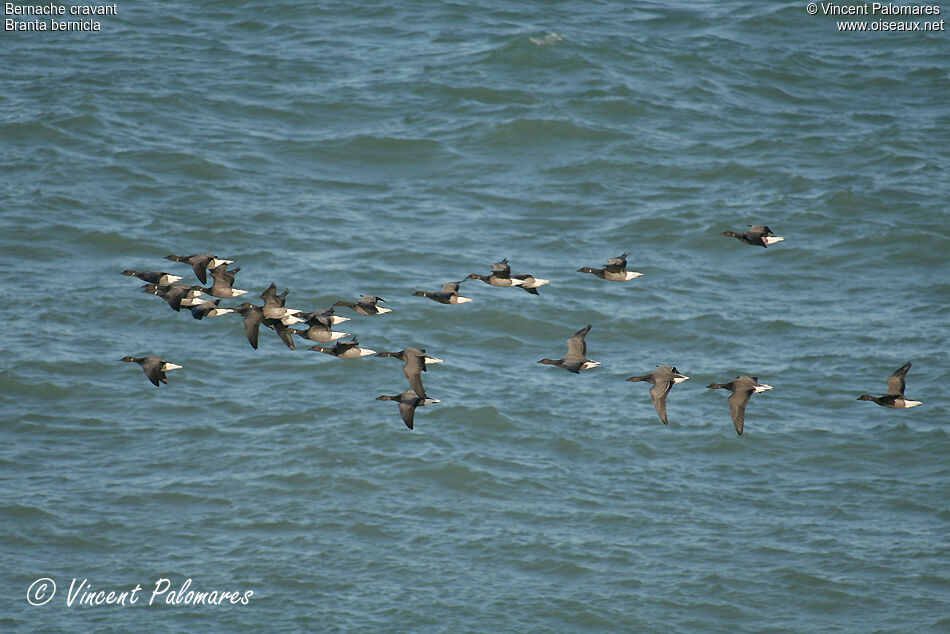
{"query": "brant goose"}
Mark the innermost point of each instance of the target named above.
(575, 359)
(663, 379)
(500, 276)
(895, 391)
(274, 306)
(531, 283)
(742, 390)
(320, 327)
(153, 277)
(757, 236)
(408, 402)
(199, 263)
(615, 270)
(345, 350)
(176, 295)
(327, 316)
(223, 285)
(367, 305)
(414, 361)
(154, 368)
(208, 308)
(448, 295)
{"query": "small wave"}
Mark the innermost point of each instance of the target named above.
(548, 40)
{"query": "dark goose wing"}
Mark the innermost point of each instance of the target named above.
(658, 393)
(576, 345)
(895, 382)
(737, 402)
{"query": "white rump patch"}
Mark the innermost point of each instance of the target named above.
(216, 263)
(430, 401)
(383, 311)
(772, 239)
(462, 300)
(287, 320)
(539, 282)
(168, 279)
(334, 335)
(365, 352)
(761, 388)
(429, 359)
(336, 319)
(590, 364)
(170, 366)
(632, 275)
(220, 311)
(680, 379)
(912, 403)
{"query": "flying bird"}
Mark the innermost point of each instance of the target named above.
(500, 276)
(663, 380)
(153, 277)
(345, 350)
(414, 364)
(895, 391)
(614, 271)
(575, 360)
(408, 402)
(742, 390)
(449, 294)
(199, 262)
(154, 368)
(367, 305)
(757, 236)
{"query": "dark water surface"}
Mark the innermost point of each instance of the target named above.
(381, 148)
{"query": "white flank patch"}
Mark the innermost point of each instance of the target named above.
(681, 379)
(429, 359)
(170, 366)
(632, 275)
(772, 239)
(462, 300)
(761, 388)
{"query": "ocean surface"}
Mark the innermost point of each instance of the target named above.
(380, 148)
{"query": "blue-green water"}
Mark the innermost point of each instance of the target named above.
(341, 149)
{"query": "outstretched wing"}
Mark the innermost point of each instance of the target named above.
(896, 382)
(737, 403)
(414, 367)
(576, 345)
(617, 264)
(658, 393)
(501, 269)
(407, 409)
